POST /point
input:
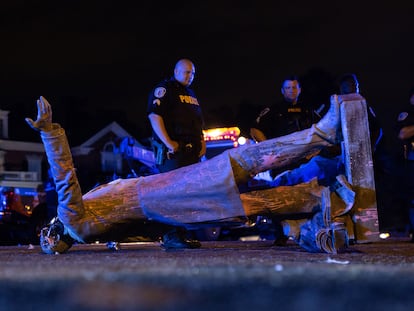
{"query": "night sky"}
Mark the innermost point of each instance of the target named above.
(96, 61)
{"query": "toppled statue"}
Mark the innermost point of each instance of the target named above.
(195, 195)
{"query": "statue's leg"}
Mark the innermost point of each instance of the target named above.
(285, 200)
(322, 228)
(325, 230)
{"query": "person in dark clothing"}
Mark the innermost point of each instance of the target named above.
(176, 120)
(328, 163)
(287, 116)
(284, 117)
(405, 133)
(177, 124)
(348, 83)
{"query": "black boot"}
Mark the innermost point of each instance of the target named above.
(177, 239)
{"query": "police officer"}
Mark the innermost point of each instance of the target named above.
(284, 117)
(405, 127)
(177, 124)
(176, 120)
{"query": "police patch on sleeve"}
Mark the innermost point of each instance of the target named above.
(159, 92)
(262, 113)
(402, 116)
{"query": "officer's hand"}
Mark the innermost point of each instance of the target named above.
(44, 116)
(173, 146)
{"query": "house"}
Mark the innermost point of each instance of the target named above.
(23, 165)
(109, 154)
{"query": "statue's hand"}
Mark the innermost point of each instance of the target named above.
(44, 116)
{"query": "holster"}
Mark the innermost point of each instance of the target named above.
(160, 152)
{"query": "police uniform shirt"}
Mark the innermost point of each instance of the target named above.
(283, 119)
(406, 118)
(180, 110)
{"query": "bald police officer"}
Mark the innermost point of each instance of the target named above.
(176, 120)
(177, 125)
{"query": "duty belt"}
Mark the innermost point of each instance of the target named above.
(183, 147)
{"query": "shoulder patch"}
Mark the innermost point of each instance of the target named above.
(159, 92)
(402, 116)
(262, 113)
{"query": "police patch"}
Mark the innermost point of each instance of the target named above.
(402, 116)
(156, 102)
(159, 92)
(262, 113)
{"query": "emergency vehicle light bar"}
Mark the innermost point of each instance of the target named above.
(222, 133)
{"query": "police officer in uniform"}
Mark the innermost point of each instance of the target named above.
(284, 117)
(177, 124)
(176, 120)
(405, 127)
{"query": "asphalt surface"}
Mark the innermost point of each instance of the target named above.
(221, 275)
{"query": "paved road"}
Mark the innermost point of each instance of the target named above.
(219, 276)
